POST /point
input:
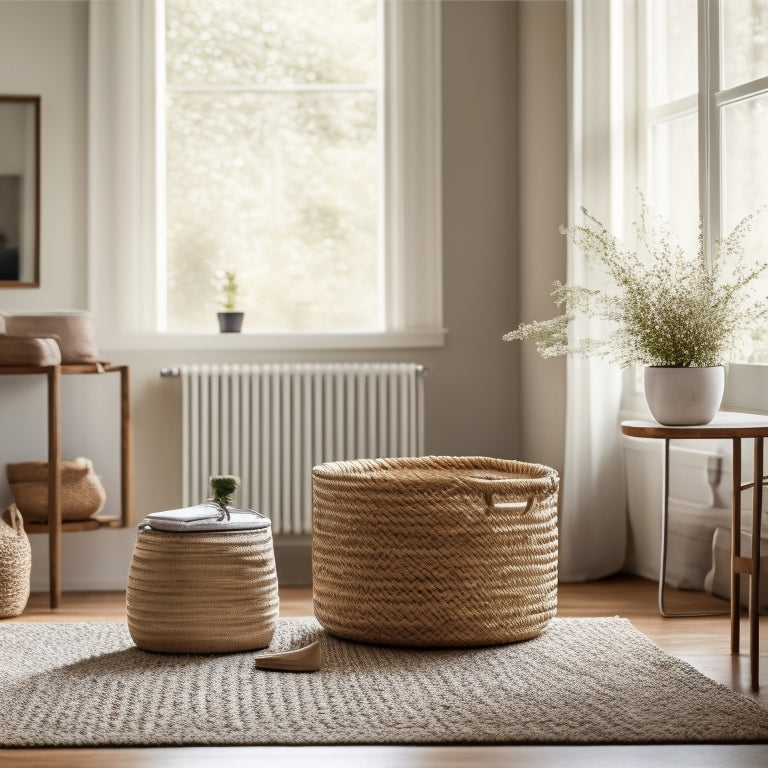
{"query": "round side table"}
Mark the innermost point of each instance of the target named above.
(733, 426)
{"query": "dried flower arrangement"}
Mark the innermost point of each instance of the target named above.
(666, 307)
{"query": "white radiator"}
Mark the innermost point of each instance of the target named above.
(270, 424)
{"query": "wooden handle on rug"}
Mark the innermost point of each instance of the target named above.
(306, 659)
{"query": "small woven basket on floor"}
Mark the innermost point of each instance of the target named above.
(202, 592)
(434, 551)
(15, 564)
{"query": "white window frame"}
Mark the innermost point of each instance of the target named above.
(746, 383)
(651, 116)
(124, 148)
(707, 103)
(712, 99)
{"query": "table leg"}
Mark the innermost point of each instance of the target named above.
(54, 486)
(126, 449)
(754, 577)
(664, 517)
(735, 545)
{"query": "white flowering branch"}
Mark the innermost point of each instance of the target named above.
(665, 307)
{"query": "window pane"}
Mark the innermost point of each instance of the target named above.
(745, 41)
(745, 177)
(674, 171)
(673, 50)
(268, 43)
(282, 188)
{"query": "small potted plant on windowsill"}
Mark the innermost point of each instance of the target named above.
(663, 308)
(230, 319)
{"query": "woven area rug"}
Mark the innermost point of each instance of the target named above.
(582, 681)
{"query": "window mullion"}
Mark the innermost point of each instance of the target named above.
(710, 167)
(412, 184)
(641, 94)
(393, 213)
(740, 92)
(673, 110)
(156, 176)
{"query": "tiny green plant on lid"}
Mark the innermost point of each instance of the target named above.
(223, 486)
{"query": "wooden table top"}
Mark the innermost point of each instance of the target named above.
(725, 424)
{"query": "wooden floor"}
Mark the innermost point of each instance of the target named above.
(701, 641)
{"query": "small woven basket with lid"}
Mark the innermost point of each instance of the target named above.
(434, 551)
(202, 591)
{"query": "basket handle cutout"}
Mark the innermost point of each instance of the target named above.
(507, 506)
(17, 522)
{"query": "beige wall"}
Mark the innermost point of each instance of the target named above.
(503, 192)
(543, 199)
(477, 398)
(43, 51)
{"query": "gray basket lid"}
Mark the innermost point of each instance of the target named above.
(205, 517)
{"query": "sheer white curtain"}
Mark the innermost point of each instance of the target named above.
(602, 176)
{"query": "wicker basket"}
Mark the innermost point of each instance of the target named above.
(15, 564)
(82, 492)
(434, 551)
(26, 350)
(212, 592)
(74, 332)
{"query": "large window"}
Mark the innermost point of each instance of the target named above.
(294, 142)
(706, 117)
(272, 139)
(672, 113)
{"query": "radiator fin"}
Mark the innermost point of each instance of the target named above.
(269, 424)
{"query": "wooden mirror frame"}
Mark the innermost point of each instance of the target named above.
(27, 201)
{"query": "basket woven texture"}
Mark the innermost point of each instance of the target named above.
(26, 350)
(15, 564)
(82, 492)
(202, 592)
(434, 551)
(74, 332)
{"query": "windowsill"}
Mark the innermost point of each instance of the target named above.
(746, 388)
(212, 342)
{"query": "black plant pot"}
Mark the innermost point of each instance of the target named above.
(230, 322)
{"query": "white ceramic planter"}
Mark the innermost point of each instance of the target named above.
(684, 396)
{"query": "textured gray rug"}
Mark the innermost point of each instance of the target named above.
(581, 681)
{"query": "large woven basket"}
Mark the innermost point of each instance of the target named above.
(434, 551)
(206, 592)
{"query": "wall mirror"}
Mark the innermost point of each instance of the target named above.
(19, 191)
